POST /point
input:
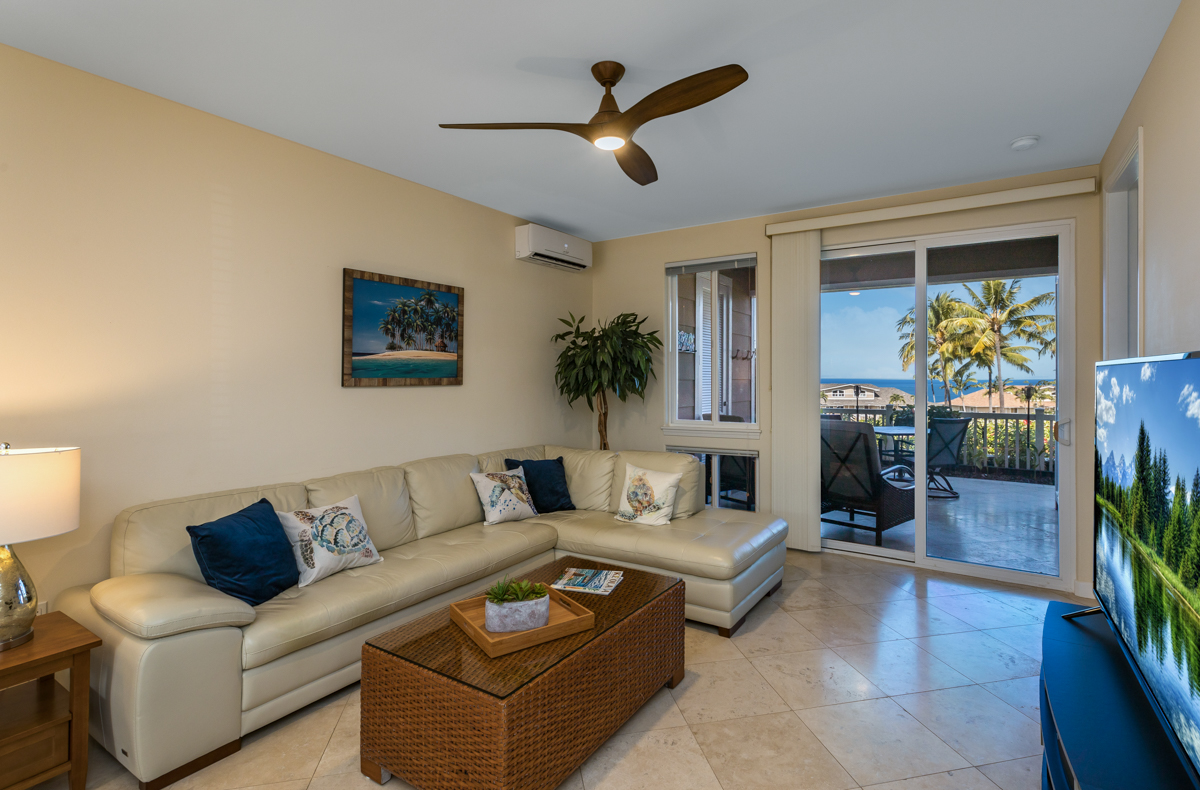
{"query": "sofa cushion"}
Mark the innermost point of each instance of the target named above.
(713, 544)
(383, 497)
(246, 554)
(442, 494)
(153, 538)
(689, 498)
(504, 495)
(647, 496)
(494, 462)
(589, 475)
(329, 539)
(410, 573)
(547, 481)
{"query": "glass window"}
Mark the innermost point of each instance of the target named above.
(730, 477)
(713, 361)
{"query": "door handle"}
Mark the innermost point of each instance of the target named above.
(1062, 432)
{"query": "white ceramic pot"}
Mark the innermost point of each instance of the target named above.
(516, 615)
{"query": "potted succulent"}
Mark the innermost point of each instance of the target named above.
(516, 606)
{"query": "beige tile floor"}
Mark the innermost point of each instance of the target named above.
(857, 674)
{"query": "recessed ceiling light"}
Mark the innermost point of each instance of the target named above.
(856, 293)
(1024, 143)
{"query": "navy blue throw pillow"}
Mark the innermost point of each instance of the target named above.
(246, 554)
(547, 481)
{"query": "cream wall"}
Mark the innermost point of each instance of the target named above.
(172, 304)
(629, 277)
(1167, 107)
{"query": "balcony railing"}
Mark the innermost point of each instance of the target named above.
(993, 441)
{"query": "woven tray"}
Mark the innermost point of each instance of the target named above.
(566, 617)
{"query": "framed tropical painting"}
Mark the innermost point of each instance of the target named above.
(398, 332)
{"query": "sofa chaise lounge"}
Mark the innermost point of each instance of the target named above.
(185, 671)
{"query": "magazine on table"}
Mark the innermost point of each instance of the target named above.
(588, 580)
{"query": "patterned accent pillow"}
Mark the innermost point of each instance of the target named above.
(649, 496)
(505, 496)
(329, 539)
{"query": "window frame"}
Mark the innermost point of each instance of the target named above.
(713, 427)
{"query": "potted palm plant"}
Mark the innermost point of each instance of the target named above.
(613, 357)
(516, 606)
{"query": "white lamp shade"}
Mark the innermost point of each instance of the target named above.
(39, 493)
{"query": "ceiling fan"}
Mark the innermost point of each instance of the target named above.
(612, 129)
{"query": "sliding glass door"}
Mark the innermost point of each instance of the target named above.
(866, 379)
(937, 424)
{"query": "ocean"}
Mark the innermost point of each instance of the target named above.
(404, 368)
(910, 386)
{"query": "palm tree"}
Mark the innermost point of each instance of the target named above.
(1050, 344)
(946, 344)
(388, 327)
(1027, 394)
(402, 311)
(995, 319)
(963, 380)
(448, 323)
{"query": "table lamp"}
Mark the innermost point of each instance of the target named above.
(39, 498)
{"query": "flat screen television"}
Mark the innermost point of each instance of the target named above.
(1147, 522)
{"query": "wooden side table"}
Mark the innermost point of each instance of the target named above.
(44, 727)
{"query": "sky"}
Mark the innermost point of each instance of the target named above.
(371, 301)
(1164, 395)
(859, 339)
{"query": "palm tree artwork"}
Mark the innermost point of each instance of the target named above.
(424, 321)
(402, 329)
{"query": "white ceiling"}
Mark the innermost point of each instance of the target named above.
(846, 99)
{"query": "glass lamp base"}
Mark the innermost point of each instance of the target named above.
(16, 641)
(18, 601)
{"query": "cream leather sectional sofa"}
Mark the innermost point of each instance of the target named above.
(185, 670)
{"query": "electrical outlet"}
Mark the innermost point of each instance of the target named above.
(43, 607)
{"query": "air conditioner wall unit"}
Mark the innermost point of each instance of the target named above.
(553, 248)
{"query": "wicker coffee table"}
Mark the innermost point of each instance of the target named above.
(439, 713)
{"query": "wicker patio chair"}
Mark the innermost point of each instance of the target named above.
(737, 477)
(852, 480)
(946, 437)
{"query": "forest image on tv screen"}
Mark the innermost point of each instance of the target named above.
(1148, 526)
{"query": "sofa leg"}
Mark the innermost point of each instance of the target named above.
(775, 589)
(731, 630)
(187, 769)
(676, 678)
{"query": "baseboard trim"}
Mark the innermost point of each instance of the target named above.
(203, 761)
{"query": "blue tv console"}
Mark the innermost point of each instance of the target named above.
(1100, 729)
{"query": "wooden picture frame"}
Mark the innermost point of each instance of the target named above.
(398, 332)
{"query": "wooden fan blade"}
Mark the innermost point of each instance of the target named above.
(582, 129)
(636, 163)
(682, 95)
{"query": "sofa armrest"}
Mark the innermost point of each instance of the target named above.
(154, 605)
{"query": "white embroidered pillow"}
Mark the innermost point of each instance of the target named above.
(329, 539)
(505, 495)
(649, 496)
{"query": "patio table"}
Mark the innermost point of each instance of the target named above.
(887, 436)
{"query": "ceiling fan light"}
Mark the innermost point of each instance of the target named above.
(609, 143)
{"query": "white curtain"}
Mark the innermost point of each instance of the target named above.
(796, 385)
